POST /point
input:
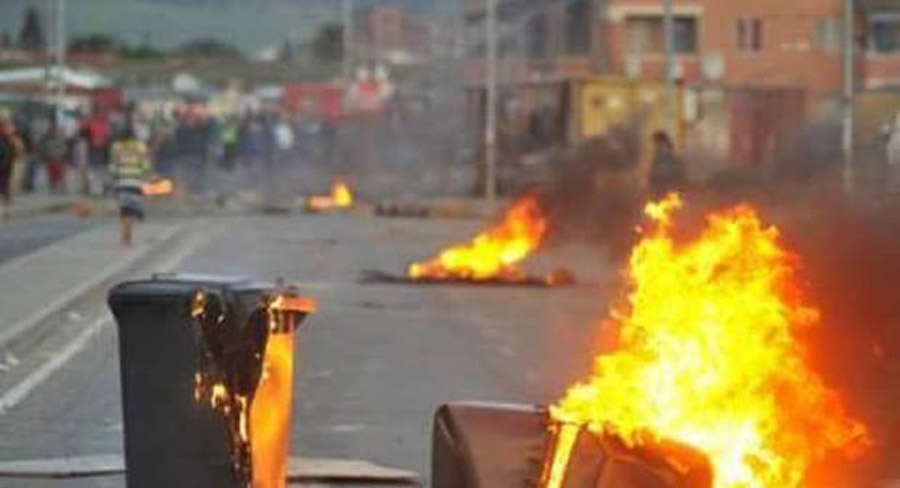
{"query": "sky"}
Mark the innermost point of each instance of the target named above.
(252, 25)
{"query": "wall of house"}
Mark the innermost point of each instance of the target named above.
(798, 45)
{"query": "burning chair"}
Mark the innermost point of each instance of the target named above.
(478, 445)
(708, 357)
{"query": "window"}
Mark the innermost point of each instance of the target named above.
(828, 34)
(885, 35)
(578, 34)
(537, 37)
(750, 35)
(685, 35)
(644, 35)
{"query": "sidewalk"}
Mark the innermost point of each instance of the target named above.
(35, 286)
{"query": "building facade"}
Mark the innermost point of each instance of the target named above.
(769, 43)
(758, 75)
(766, 43)
(391, 33)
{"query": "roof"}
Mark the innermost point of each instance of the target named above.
(76, 78)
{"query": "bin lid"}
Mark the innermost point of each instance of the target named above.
(175, 285)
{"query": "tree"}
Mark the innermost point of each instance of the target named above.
(209, 48)
(328, 46)
(31, 36)
(93, 43)
(143, 52)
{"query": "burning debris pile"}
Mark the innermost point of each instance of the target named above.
(158, 187)
(492, 257)
(340, 198)
(246, 374)
(709, 357)
(494, 254)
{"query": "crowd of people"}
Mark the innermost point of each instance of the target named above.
(72, 152)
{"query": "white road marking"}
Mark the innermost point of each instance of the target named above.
(346, 428)
(74, 293)
(16, 394)
(323, 374)
(20, 391)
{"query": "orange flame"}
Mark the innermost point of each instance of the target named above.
(340, 194)
(708, 356)
(160, 187)
(261, 422)
(565, 436)
(494, 253)
(270, 415)
(340, 197)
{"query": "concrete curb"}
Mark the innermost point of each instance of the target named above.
(21, 213)
(23, 326)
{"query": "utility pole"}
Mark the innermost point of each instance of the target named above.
(49, 50)
(849, 176)
(490, 80)
(347, 38)
(671, 109)
(61, 45)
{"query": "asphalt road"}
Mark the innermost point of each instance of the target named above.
(22, 237)
(375, 361)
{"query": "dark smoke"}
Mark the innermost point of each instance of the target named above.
(850, 258)
(593, 193)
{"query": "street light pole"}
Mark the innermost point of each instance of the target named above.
(490, 126)
(848, 98)
(671, 111)
(347, 38)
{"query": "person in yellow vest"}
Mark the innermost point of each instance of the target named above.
(129, 170)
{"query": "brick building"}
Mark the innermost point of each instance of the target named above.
(738, 42)
(769, 43)
(392, 33)
(760, 77)
(539, 38)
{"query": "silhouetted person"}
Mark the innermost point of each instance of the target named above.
(667, 171)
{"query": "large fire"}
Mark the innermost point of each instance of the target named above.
(708, 356)
(495, 253)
